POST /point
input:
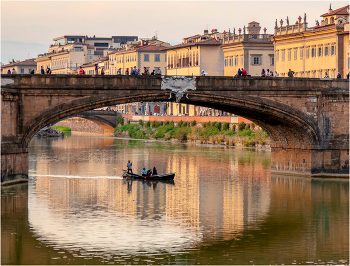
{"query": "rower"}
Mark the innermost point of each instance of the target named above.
(144, 172)
(155, 171)
(149, 172)
(129, 165)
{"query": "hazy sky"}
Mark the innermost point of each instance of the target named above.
(30, 26)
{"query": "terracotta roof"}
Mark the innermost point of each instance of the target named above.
(98, 52)
(205, 42)
(92, 63)
(27, 62)
(150, 48)
(197, 35)
(340, 11)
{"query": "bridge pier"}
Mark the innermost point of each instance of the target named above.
(310, 162)
(14, 163)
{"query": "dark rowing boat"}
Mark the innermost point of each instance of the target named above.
(152, 177)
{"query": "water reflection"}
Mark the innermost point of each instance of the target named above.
(224, 207)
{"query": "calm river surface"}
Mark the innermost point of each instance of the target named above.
(224, 207)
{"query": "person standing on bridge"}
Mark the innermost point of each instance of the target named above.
(244, 72)
(96, 69)
(290, 73)
(239, 72)
(9, 72)
(119, 72)
(42, 71)
(338, 76)
(129, 165)
(81, 71)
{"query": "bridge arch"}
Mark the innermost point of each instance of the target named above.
(287, 126)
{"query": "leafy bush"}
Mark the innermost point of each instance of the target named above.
(247, 126)
(226, 126)
(246, 133)
(185, 124)
(193, 123)
(253, 126)
(128, 121)
(155, 124)
(166, 123)
(63, 129)
(241, 126)
(182, 135)
(180, 124)
(234, 128)
(159, 134)
(148, 124)
(120, 120)
(141, 122)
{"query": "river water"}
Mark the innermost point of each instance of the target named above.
(224, 207)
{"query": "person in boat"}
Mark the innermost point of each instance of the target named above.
(129, 165)
(144, 173)
(155, 171)
(149, 172)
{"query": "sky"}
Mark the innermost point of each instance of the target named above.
(28, 27)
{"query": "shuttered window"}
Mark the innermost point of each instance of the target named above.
(256, 60)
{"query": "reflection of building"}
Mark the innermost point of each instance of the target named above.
(69, 52)
(311, 52)
(21, 67)
(251, 51)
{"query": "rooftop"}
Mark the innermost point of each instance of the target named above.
(27, 62)
(340, 11)
(210, 42)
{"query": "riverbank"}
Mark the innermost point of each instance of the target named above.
(245, 135)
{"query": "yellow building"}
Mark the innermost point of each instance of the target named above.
(189, 59)
(151, 57)
(313, 52)
(252, 51)
(21, 67)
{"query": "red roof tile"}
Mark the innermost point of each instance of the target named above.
(340, 11)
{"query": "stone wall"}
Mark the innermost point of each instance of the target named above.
(81, 125)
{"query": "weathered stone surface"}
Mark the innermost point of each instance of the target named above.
(49, 132)
(307, 119)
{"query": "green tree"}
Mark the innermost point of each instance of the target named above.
(148, 124)
(120, 120)
(241, 126)
(193, 123)
(141, 122)
(226, 126)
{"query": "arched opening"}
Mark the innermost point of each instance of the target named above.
(285, 125)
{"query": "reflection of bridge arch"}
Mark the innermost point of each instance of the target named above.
(305, 117)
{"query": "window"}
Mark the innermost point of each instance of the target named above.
(165, 58)
(307, 53)
(332, 50)
(236, 61)
(231, 61)
(277, 55)
(241, 60)
(313, 52)
(319, 51)
(326, 51)
(289, 55)
(89, 51)
(90, 56)
(283, 53)
(100, 44)
(301, 53)
(256, 60)
(272, 60)
(295, 54)
(146, 57)
(225, 62)
(157, 57)
(22, 70)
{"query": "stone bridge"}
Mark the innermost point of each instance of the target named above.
(307, 119)
(107, 120)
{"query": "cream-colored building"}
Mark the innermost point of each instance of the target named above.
(313, 52)
(251, 51)
(71, 51)
(21, 67)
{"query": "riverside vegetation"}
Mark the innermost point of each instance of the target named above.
(247, 135)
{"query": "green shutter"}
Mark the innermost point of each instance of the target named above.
(252, 60)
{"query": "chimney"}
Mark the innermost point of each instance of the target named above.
(13, 61)
(205, 31)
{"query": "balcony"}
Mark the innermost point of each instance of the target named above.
(248, 38)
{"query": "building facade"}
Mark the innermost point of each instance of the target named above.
(251, 51)
(313, 52)
(71, 51)
(21, 67)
